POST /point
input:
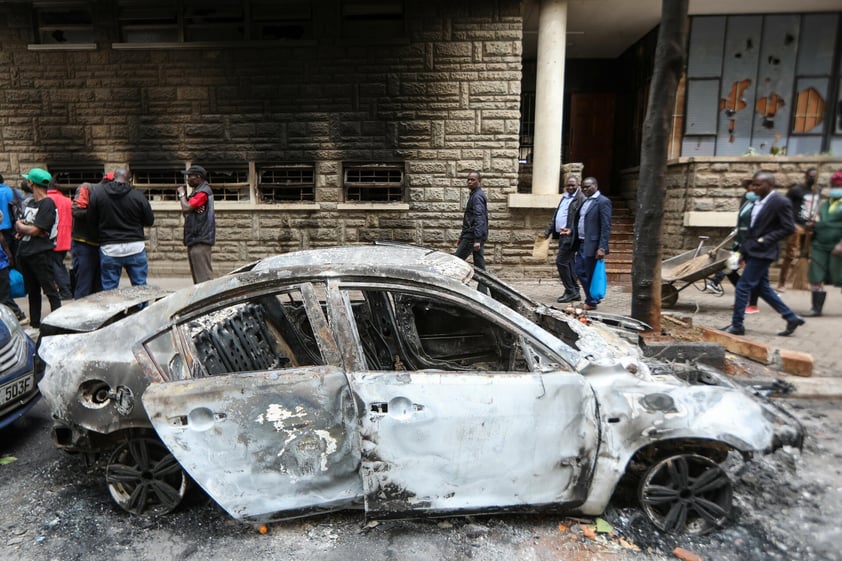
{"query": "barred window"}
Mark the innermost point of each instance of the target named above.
(229, 182)
(158, 183)
(373, 182)
(286, 183)
(373, 20)
(66, 177)
(163, 21)
(63, 24)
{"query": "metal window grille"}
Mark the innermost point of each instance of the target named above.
(374, 183)
(66, 178)
(373, 20)
(527, 126)
(158, 184)
(164, 21)
(292, 183)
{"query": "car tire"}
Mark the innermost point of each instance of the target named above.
(686, 494)
(143, 477)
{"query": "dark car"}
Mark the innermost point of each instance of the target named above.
(379, 378)
(18, 382)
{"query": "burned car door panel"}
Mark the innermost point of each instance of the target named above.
(265, 446)
(457, 413)
(440, 442)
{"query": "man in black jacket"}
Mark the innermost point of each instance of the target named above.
(199, 222)
(474, 225)
(120, 213)
(771, 222)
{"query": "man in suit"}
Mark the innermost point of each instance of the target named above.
(771, 222)
(561, 228)
(593, 228)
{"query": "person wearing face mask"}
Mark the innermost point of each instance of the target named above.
(743, 222)
(826, 247)
(805, 200)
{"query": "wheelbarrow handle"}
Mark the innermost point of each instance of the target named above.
(727, 239)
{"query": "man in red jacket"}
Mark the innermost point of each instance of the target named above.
(65, 225)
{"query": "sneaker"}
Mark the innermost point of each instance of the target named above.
(714, 288)
(752, 309)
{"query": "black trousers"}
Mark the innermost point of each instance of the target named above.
(37, 271)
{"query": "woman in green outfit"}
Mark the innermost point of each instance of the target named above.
(826, 249)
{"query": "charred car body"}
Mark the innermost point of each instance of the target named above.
(377, 377)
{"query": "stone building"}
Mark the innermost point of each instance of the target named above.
(345, 121)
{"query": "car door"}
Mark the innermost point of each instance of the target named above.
(469, 413)
(265, 421)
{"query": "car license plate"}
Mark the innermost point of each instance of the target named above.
(16, 389)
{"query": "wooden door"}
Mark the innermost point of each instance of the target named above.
(592, 135)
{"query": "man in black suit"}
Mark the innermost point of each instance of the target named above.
(771, 222)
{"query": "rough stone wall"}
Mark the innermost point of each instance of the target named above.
(444, 102)
(713, 185)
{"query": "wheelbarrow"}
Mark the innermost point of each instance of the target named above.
(694, 268)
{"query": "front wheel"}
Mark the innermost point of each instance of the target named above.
(143, 477)
(686, 493)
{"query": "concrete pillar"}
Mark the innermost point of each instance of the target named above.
(549, 96)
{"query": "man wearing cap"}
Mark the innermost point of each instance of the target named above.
(826, 247)
(199, 222)
(120, 213)
(85, 243)
(36, 231)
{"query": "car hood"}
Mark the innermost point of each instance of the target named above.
(94, 311)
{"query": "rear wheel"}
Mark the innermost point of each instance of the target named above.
(143, 477)
(686, 493)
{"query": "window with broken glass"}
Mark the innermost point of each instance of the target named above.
(68, 23)
(67, 177)
(412, 331)
(373, 182)
(229, 182)
(286, 183)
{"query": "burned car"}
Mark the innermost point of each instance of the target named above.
(18, 383)
(379, 378)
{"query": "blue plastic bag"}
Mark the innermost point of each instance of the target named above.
(599, 280)
(16, 286)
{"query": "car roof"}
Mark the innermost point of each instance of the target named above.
(379, 259)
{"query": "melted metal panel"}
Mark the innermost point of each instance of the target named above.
(444, 442)
(264, 446)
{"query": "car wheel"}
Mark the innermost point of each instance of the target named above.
(143, 477)
(686, 493)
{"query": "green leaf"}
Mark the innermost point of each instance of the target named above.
(603, 527)
(7, 460)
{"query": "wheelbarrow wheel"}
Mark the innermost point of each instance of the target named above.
(669, 295)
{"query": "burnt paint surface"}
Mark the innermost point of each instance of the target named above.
(263, 444)
(466, 441)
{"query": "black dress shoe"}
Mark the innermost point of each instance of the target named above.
(734, 330)
(569, 298)
(791, 326)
